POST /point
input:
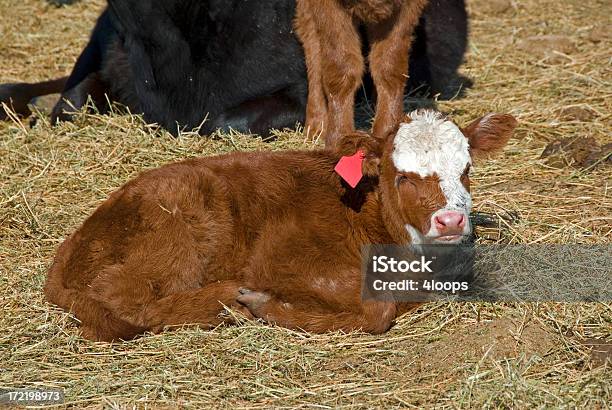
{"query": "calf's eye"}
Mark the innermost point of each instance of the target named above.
(402, 180)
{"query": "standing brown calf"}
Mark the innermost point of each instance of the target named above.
(276, 234)
(328, 30)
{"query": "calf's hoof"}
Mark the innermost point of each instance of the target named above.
(315, 127)
(235, 315)
(252, 299)
(255, 302)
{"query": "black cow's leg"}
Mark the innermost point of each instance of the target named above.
(18, 95)
(85, 79)
(277, 111)
(59, 3)
(91, 58)
(76, 98)
(438, 49)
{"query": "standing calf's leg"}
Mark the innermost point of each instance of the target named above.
(333, 34)
(372, 316)
(316, 106)
(389, 56)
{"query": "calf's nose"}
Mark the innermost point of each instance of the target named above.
(448, 221)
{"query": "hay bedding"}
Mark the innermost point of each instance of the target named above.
(454, 355)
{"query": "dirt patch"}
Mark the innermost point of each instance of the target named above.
(496, 7)
(576, 113)
(579, 152)
(497, 339)
(547, 46)
(599, 33)
(601, 350)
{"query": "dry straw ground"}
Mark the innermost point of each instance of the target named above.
(444, 355)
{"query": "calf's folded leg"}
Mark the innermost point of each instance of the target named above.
(100, 321)
(371, 316)
(97, 322)
(203, 307)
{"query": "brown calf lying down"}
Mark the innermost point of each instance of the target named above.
(329, 32)
(275, 234)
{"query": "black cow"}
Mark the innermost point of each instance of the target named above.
(235, 63)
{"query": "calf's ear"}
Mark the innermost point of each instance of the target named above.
(370, 147)
(489, 134)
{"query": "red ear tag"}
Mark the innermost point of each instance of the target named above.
(349, 168)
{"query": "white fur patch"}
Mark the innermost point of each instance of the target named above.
(416, 238)
(430, 145)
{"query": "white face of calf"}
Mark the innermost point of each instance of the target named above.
(430, 148)
(425, 172)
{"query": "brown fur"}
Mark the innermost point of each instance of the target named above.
(174, 245)
(328, 30)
